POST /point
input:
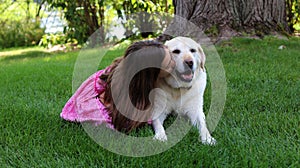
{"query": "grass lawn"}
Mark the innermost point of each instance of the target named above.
(260, 126)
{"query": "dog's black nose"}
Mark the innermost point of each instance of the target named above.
(189, 63)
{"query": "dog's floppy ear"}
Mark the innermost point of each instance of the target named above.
(202, 57)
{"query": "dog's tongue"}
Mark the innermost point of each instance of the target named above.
(187, 76)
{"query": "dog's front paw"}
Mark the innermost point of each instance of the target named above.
(161, 136)
(208, 141)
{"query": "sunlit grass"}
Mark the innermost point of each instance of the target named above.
(20, 51)
(259, 127)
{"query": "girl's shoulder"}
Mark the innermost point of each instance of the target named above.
(99, 83)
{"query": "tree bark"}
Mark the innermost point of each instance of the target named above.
(101, 14)
(227, 18)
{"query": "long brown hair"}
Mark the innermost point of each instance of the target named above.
(131, 107)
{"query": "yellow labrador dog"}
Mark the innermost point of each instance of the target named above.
(183, 90)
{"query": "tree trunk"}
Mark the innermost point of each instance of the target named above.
(101, 14)
(95, 22)
(230, 18)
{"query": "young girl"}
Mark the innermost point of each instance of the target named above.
(119, 95)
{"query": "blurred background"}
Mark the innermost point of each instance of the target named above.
(69, 23)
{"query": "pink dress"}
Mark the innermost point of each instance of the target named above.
(85, 105)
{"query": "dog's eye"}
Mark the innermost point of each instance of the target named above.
(176, 51)
(192, 50)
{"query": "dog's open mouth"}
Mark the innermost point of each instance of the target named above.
(186, 76)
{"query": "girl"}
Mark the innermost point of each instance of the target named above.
(119, 96)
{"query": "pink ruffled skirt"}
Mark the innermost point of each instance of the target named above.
(85, 105)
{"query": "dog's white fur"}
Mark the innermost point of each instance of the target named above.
(183, 97)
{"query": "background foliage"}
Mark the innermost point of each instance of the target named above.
(19, 24)
(293, 14)
(85, 17)
(20, 19)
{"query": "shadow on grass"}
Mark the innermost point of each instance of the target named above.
(24, 55)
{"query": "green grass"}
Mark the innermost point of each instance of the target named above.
(260, 126)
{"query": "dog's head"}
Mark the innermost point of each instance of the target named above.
(190, 60)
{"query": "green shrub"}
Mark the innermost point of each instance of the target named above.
(49, 40)
(19, 33)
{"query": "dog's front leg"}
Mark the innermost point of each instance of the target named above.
(198, 119)
(159, 130)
